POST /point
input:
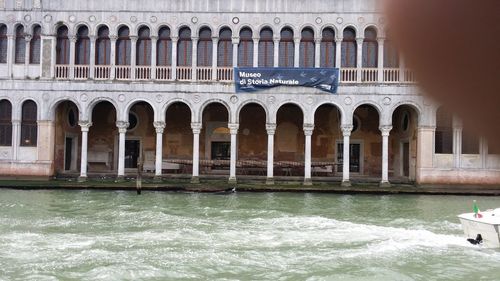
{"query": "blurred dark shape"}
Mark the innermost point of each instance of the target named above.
(454, 48)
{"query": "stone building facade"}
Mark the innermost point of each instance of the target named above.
(92, 87)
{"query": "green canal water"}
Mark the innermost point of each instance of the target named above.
(93, 235)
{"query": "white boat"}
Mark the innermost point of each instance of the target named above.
(487, 225)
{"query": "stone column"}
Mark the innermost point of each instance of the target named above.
(255, 52)
(196, 152)
(317, 52)
(308, 131)
(154, 40)
(84, 126)
(27, 58)
(233, 127)
(402, 69)
(276, 54)
(236, 42)
(72, 56)
(425, 149)
(346, 131)
(215, 42)
(359, 58)
(10, 54)
(194, 75)
(16, 138)
(112, 55)
(122, 130)
(92, 56)
(385, 130)
(133, 56)
(271, 130)
(174, 57)
(296, 52)
(380, 61)
(483, 151)
(159, 126)
(338, 52)
(457, 142)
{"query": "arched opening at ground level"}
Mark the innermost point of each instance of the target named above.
(403, 143)
(327, 141)
(67, 139)
(289, 147)
(365, 157)
(102, 149)
(215, 140)
(252, 141)
(140, 144)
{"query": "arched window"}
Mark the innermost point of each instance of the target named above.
(35, 45)
(370, 48)
(28, 124)
(307, 48)
(62, 47)
(82, 46)
(123, 46)
(328, 48)
(3, 43)
(349, 48)
(164, 47)
(287, 49)
(245, 48)
(184, 48)
(266, 48)
(103, 47)
(5, 123)
(391, 55)
(225, 48)
(143, 56)
(20, 51)
(444, 132)
(205, 47)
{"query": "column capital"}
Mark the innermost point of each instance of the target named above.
(15, 122)
(92, 38)
(85, 125)
(174, 39)
(255, 39)
(154, 37)
(385, 130)
(28, 38)
(381, 40)
(317, 40)
(133, 38)
(159, 126)
(346, 130)
(271, 128)
(195, 39)
(235, 40)
(339, 39)
(122, 126)
(11, 36)
(72, 38)
(296, 40)
(276, 40)
(215, 39)
(233, 128)
(426, 128)
(308, 129)
(360, 40)
(196, 127)
(113, 38)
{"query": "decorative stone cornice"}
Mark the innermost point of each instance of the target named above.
(271, 128)
(308, 129)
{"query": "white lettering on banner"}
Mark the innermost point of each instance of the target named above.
(250, 75)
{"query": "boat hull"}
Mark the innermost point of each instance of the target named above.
(489, 231)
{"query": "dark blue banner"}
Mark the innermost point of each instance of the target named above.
(253, 79)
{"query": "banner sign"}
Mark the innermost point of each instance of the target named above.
(259, 78)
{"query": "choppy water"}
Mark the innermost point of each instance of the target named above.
(91, 235)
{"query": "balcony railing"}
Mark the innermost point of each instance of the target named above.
(163, 73)
(204, 73)
(62, 71)
(123, 72)
(222, 74)
(143, 72)
(102, 72)
(82, 72)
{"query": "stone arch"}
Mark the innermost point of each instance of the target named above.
(141, 25)
(298, 104)
(162, 25)
(202, 26)
(167, 105)
(343, 114)
(50, 115)
(375, 27)
(80, 24)
(58, 25)
(220, 101)
(333, 27)
(350, 25)
(221, 27)
(175, 33)
(32, 26)
(20, 104)
(307, 25)
(252, 101)
(415, 106)
(289, 26)
(131, 103)
(101, 24)
(266, 25)
(91, 105)
(117, 28)
(249, 26)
